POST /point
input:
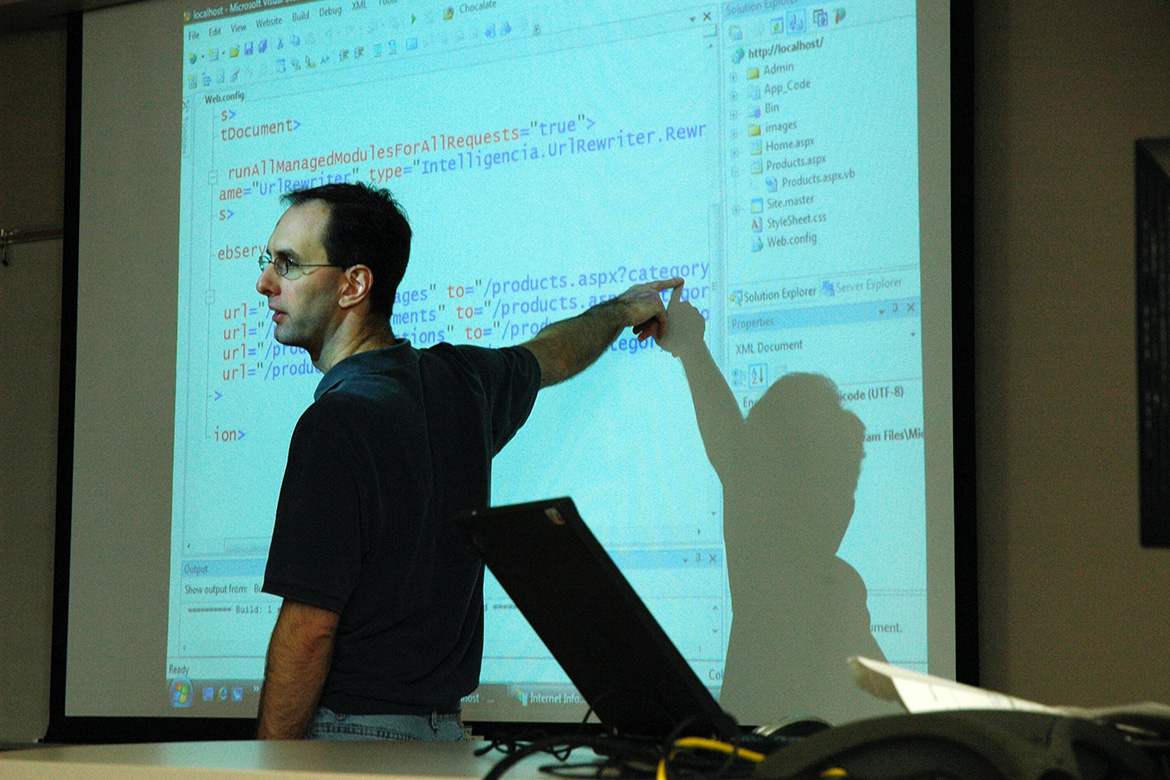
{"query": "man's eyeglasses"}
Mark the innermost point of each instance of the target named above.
(289, 269)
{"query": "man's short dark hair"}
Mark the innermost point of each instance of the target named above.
(366, 227)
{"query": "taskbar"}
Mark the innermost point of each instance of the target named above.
(530, 702)
(217, 697)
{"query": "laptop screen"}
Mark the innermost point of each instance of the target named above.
(592, 621)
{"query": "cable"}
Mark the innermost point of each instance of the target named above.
(721, 747)
(552, 745)
(701, 743)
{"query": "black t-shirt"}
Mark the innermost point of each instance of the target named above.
(397, 441)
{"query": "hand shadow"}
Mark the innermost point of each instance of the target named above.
(789, 472)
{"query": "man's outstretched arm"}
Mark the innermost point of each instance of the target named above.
(566, 348)
(298, 661)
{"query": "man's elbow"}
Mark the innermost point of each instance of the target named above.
(554, 366)
(552, 373)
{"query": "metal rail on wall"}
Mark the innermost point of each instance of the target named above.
(18, 236)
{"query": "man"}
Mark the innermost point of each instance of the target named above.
(381, 629)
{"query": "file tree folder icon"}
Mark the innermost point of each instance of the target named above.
(753, 73)
(753, 130)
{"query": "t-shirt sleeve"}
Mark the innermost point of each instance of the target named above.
(316, 550)
(511, 387)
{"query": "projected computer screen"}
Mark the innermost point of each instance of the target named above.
(549, 156)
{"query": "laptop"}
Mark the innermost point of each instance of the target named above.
(583, 608)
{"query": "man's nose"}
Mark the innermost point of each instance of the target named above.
(269, 281)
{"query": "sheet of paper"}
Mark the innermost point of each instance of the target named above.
(924, 693)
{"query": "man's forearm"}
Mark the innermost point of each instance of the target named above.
(568, 347)
(298, 661)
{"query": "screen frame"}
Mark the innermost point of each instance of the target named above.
(65, 728)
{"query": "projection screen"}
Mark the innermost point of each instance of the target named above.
(790, 160)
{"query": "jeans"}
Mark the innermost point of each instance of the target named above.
(436, 727)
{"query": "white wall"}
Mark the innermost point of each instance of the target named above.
(1073, 610)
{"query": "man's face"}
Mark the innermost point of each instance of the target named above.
(305, 310)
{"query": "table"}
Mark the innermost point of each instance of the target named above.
(256, 760)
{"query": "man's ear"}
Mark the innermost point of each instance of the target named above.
(357, 287)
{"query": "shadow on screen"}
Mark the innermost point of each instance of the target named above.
(789, 471)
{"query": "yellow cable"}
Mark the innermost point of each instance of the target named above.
(707, 744)
(722, 747)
